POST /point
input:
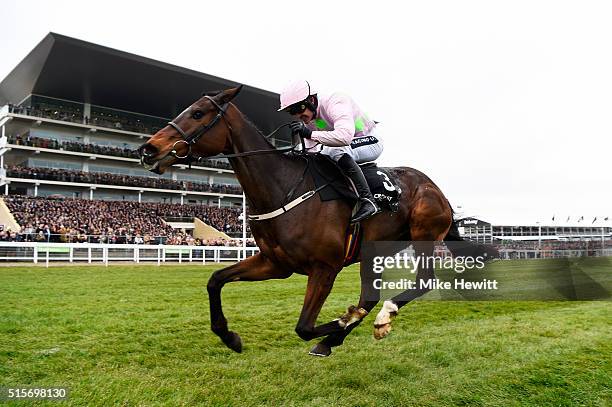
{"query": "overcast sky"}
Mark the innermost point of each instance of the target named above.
(507, 106)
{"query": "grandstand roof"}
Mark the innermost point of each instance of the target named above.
(71, 69)
(579, 221)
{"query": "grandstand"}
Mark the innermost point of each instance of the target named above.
(72, 113)
(554, 232)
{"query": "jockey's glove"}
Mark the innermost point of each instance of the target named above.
(300, 128)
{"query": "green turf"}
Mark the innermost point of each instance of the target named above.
(139, 335)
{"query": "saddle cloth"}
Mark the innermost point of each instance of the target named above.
(384, 187)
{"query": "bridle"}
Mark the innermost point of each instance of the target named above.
(191, 139)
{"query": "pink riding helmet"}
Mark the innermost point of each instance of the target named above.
(295, 92)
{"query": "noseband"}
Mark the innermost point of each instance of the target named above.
(191, 139)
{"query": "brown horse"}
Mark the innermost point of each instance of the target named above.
(310, 238)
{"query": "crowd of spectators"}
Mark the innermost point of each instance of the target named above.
(90, 148)
(78, 220)
(115, 120)
(553, 244)
(45, 110)
(222, 163)
(32, 141)
(104, 178)
(191, 241)
(100, 117)
(224, 219)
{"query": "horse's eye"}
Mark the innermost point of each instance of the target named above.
(197, 115)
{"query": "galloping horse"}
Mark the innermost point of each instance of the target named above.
(310, 238)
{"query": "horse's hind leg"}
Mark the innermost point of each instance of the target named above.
(255, 268)
(390, 308)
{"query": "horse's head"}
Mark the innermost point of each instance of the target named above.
(200, 131)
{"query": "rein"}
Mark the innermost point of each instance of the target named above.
(191, 139)
(280, 150)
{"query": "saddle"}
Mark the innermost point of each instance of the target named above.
(383, 185)
(332, 184)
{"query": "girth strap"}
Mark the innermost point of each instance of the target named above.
(290, 205)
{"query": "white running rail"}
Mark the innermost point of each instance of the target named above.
(35, 252)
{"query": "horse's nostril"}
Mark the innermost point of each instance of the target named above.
(148, 150)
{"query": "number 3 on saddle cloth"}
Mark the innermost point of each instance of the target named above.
(384, 188)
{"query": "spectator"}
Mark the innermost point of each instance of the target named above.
(77, 220)
(105, 178)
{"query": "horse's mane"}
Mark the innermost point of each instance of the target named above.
(253, 127)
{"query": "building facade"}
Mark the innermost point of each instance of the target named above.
(593, 230)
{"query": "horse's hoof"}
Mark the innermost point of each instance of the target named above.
(380, 331)
(232, 340)
(320, 349)
(352, 315)
(382, 324)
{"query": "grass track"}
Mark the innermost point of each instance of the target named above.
(139, 335)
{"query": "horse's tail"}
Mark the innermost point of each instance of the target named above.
(463, 247)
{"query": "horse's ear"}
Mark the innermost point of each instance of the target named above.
(227, 95)
(211, 93)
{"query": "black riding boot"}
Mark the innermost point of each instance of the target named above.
(368, 206)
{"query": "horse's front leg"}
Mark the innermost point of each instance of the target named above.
(255, 268)
(368, 299)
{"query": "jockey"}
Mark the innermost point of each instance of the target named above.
(335, 126)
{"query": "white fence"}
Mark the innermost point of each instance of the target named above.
(35, 252)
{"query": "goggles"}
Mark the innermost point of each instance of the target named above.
(297, 108)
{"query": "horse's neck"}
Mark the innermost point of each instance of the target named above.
(265, 178)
